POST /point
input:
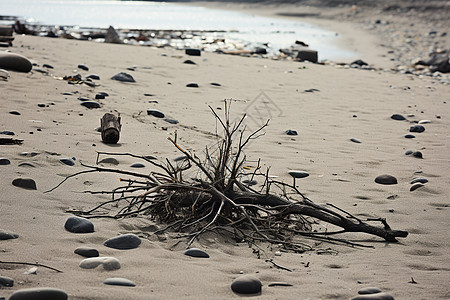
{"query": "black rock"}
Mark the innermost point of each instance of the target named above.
(194, 252)
(291, 132)
(47, 66)
(193, 52)
(415, 186)
(26, 183)
(408, 152)
(260, 50)
(7, 132)
(398, 117)
(410, 136)
(4, 161)
(215, 84)
(67, 161)
(15, 112)
(123, 242)
(124, 77)
(6, 281)
(246, 284)
(189, 62)
(171, 121)
(91, 104)
(5, 235)
(192, 85)
(41, 293)
(308, 55)
(119, 281)
(369, 290)
(359, 62)
(79, 225)
(355, 141)
(100, 96)
(155, 113)
(298, 174)
(83, 99)
(137, 165)
(83, 67)
(386, 179)
(417, 128)
(87, 252)
(41, 105)
(417, 154)
(94, 77)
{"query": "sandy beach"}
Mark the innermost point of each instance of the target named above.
(327, 105)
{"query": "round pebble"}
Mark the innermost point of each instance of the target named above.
(87, 252)
(109, 263)
(195, 252)
(415, 186)
(192, 85)
(246, 284)
(398, 117)
(4, 161)
(41, 293)
(119, 281)
(100, 96)
(83, 67)
(25, 183)
(408, 152)
(109, 160)
(386, 179)
(419, 179)
(171, 121)
(6, 281)
(90, 104)
(79, 225)
(94, 77)
(298, 174)
(417, 128)
(155, 113)
(369, 290)
(67, 161)
(123, 242)
(137, 165)
(124, 77)
(377, 296)
(291, 132)
(417, 154)
(5, 235)
(410, 136)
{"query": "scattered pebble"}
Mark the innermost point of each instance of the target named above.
(408, 152)
(193, 52)
(15, 112)
(26, 183)
(67, 161)
(6, 281)
(189, 62)
(90, 104)
(215, 84)
(94, 77)
(417, 154)
(192, 85)
(137, 165)
(7, 132)
(415, 186)
(419, 179)
(410, 136)
(41, 293)
(417, 128)
(298, 174)
(109, 263)
(355, 141)
(377, 296)
(155, 113)
(246, 284)
(369, 290)
(5, 235)
(123, 242)
(195, 252)
(171, 121)
(109, 160)
(83, 67)
(124, 77)
(100, 96)
(291, 132)
(47, 66)
(87, 252)
(119, 281)
(279, 284)
(398, 117)
(4, 161)
(79, 225)
(386, 179)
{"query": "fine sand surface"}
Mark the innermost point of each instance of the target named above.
(344, 104)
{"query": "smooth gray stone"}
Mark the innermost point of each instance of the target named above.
(119, 281)
(90, 104)
(87, 252)
(14, 62)
(109, 263)
(419, 179)
(79, 225)
(298, 174)
(369, 290)
(415, 186)
(377, 296)
(195, 252)
(137, 165)
(5, 235)
(386, 179)
(109, 160)
(124, 77)
(123, 242)
(155, 113)
(26, 183)
(417, 128)
(398, 117)
(6, 281)
(246, 284)
(42, 293)
(4, 161)
(67, 161)
(171, 121)
(408, 152)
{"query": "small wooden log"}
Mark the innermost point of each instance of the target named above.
(110, 126)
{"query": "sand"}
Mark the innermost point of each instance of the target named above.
(347, 103)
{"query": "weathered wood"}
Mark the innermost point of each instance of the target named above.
(110, 127)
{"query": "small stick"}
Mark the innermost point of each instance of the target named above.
(30, 264)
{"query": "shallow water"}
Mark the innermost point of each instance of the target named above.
(251, 29)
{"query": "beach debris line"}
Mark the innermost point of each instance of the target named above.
(218, 200)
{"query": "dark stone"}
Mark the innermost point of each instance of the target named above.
(250, 182)
(215, 84)
(410, 136)
(417, 128)
(26, 183)
(87, 252)
(155, 113)
(123, 242)
(5, 235)
(67, 161)
(137, 165)
(83, 99)
(308, 55)
(291, 132)
(100, 96)
(369, 290)
(79, 225)
(109, 160)
(83, 67)
(298, 174)
(272, 284)
(14, 62)
(94, 77)
(419, 179)
(417, 154)
(119, 281)
(124, 77)
(189, 62)
(41, 105)
(355, 141)
(15, 112)
(398, 117)
(359, 62)
(260, 50)
(408, 152)
(90, 104)
(4, 161)
(386, 179)
(192, 85)
(7, 132)
(415, 186)
(193, 52)
(6, 281)
(194, 252)
(171, 121)
(47, 66)
(246, 284)
(41, 293)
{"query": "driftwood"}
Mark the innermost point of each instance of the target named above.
(110, 128)
(219, 193)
